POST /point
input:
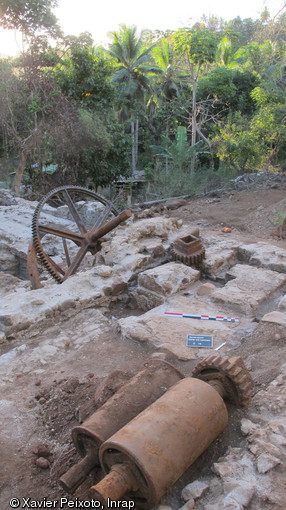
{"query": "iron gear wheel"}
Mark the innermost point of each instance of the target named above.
(69, 196)
(188, 249)
(190, 260)
(231, 373)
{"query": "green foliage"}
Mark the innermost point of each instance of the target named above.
(86, 108)
(170, 78)
(175, 183)
(224, 51)
(255, 57)
(198, 45)
(217, 84)
(280, 217)
(178, 151)
(29, 16)
(85, 76)
(104, 154)
(232, 88)
(236, 143)
(134, 64)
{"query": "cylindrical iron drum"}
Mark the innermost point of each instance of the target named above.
(152, 451)
(134, 396)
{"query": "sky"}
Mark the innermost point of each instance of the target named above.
(102, 16)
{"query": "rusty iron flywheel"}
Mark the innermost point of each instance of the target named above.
(81, 218)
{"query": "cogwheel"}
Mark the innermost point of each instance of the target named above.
(231, 373)
(190, 260)
(188, 249)
(58, 196)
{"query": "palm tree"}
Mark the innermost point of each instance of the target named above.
(131, 76)
(166, 60)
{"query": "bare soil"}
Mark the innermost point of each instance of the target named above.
(41, 403)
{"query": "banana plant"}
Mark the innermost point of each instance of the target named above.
(178, 151)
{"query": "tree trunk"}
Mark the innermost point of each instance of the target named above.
(167, 160)
(194, 111)
(133, 147)
(136, 141)
(209, 146)
(19, 174)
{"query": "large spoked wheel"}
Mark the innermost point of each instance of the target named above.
(66, 225)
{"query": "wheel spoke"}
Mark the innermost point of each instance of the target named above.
(103, 217)
(54, 264)
(76, 262)
(74, 213)
(82, 237)
(61, 232)
(67, 253)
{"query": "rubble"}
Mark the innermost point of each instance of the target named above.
(194, 490)
(144, 244)
(205, 289)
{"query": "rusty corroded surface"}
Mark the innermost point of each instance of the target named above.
(230, 377)
(164, 440)
(188, 249)
(85, 238)
(120, 480)
(132, 398)
(32, 265)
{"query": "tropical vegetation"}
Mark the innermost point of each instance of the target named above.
(198, 105)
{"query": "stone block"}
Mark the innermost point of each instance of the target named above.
(194, 490)
(206, 289)
(146, 299)
(249, 287)
(240, 491)
(168, 278)
(266, 462)
(170, 333)
(154, 285)
(81, 291)
(264, 255)
(275, 318)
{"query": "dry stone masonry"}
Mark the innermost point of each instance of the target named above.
(52, 326)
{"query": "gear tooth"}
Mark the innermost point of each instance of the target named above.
(235, 371)
(190, 260)
(228, 370)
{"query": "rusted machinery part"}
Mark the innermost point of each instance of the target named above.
(160, 443)
(190, 260)
(133, 397)
(32, 264)
(188, 249)
(64, 195)
(229, 375)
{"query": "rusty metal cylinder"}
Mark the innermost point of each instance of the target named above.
(133, 397)
(163, 441)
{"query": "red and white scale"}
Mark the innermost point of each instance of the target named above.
(203, 317)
